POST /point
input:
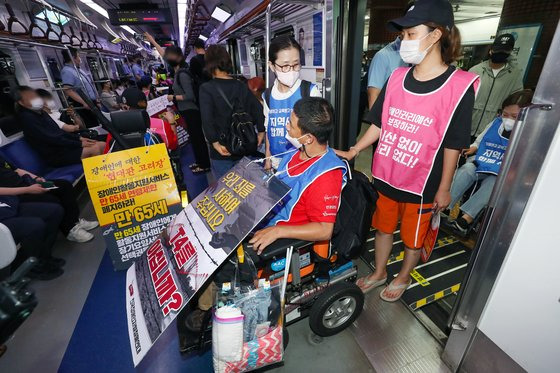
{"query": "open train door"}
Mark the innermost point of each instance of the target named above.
(507, 312)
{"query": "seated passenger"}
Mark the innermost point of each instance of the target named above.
(34, 225)
(489, 149)
(68, 121)
(24, 184)
(108, 97)
(145, 85)
(316, 176)
(57, 147)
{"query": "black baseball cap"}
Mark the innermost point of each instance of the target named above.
(423, 11)
(504, 42)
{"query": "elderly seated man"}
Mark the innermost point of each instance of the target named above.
(315, 175)
(57, 147)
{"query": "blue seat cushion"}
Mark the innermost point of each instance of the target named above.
(21, 154)
(69, 173)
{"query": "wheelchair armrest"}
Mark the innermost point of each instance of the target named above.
(278, 247)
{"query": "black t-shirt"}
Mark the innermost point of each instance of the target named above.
(8, 176)
(457, 136)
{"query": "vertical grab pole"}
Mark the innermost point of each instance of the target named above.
(105, 71)
(267, 41)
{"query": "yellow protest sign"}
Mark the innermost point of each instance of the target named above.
(134, 196)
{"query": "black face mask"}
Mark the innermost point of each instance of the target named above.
(499, 57)
(173, 63)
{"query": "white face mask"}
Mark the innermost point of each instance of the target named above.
(37, 103)
(410, 51)
(508, 123)
(51, 104)
(288, 79)
(293, 141)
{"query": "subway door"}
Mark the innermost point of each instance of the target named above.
(8, 83)
(343, 66)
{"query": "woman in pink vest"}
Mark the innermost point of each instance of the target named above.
(422, 120)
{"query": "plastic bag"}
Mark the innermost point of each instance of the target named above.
(262, 310)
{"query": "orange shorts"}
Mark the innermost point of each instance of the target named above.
(388, 213)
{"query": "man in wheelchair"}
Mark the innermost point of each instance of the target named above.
(315, 175)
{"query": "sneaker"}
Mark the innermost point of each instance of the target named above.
(461, 225)
(44, 272)
(78, 234)
(87, 225)
(194, 320)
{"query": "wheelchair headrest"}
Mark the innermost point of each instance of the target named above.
(130, 121)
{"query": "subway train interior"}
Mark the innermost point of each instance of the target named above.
(74, 297)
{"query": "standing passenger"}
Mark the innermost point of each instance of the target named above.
(422, 120)
(498, 80)
(73, 78)
(288, 88)
(216, 115)
(185, 97)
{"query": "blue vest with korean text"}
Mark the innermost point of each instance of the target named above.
(491, 150)
(278, 115)
(299, 183)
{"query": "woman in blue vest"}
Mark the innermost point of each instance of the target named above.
(278, 101)
(488, 151)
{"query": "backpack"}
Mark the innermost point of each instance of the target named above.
(242, 137)
(353, 221)
(305, 88)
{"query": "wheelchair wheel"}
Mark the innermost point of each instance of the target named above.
(335, 309)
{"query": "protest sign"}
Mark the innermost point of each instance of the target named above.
(156, 109)
(192, 247)
(134, 196)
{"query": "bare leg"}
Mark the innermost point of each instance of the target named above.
(410, 261)
(383, 247)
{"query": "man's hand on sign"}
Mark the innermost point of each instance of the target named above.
(36, 189)
(470, 151)
(221, 149)
(265, 237)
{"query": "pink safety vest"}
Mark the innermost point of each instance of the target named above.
(413, 127)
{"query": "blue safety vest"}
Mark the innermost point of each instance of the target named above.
(299, 183)
(491, 151)
(278, 115)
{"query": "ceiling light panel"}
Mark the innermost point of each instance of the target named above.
(220, 14)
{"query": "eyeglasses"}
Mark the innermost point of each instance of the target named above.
(287, 68)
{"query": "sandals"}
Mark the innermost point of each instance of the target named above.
(391, 287)
(367, 285)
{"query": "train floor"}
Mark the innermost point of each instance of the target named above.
(79, 325)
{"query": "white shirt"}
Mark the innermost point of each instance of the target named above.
(55, 115)
(497, 71)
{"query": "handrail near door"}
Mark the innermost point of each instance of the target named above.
(528, 147)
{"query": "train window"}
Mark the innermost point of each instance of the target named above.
(32, 63)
